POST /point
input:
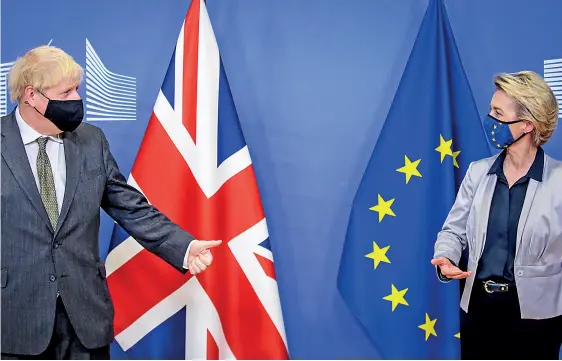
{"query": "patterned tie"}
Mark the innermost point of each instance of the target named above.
(47, 182)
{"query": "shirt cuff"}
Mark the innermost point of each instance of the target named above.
(185, 265)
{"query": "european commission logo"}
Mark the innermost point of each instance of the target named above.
(109, 96)
(553, 76)
(4, 69)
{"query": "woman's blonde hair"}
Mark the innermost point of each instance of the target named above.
(535, 100)
(42, 68)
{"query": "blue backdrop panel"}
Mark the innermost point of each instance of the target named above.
(506, 36)
(312, 82)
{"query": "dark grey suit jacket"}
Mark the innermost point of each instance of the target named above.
(36, 260)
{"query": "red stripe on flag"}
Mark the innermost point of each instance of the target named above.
(267, 265)
(212, 347)
(140, 284)
(190, 61)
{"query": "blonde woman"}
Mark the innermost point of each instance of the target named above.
(56, 174)
(508, 212)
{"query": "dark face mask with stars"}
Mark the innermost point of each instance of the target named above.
(498, 132)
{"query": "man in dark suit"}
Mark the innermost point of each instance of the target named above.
(56, 174)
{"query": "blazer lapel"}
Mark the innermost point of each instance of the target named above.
(73, 159)
(525, 211)
(14, 154)
(483, 217)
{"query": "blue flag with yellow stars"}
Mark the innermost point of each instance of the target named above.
(431, 134)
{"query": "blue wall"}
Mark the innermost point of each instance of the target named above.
(313, 81)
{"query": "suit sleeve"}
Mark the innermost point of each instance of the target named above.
(452, 240)
(148, 226)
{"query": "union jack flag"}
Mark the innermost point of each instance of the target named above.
(194, 166)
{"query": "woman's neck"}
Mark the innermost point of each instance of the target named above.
(522, 156)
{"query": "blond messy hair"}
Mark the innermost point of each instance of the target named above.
(42, 68)
(535, 100)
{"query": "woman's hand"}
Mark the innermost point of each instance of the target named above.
(448, 269)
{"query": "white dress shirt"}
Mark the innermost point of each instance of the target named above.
(55, 152)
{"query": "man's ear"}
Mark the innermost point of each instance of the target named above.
(29, 95)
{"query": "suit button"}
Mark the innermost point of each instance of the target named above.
(520, 273)
(52, 278)
(56, 245)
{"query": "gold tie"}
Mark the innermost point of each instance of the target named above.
(47, 182)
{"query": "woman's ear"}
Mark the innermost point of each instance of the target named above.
(529, 126)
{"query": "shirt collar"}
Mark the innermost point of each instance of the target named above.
(30, 135)
(534, 172)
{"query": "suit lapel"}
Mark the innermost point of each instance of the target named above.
(487, 196)
(73, 160)
(14, 155)
(532, 189)
(525, 211)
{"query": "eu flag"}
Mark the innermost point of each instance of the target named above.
(431, 134)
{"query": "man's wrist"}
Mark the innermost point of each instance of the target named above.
(186, 258)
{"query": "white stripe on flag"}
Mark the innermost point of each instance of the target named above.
(201, 315)
(122, 254)
(127, 249)
(243, 247)
(208, 71)
(264, 252)
(175, 130)
(168, 307)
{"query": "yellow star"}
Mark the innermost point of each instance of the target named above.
(410, 168)
(378, 255)
(455, 155)
(495, 127)
(428, 327)
(458, 335)
(383, 208)
(444, 147)
(396, 297)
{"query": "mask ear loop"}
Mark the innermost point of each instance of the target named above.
(506, 123)
(516, 140)
(44, 96)
(524, 132)
(26, 102)
(40, 92)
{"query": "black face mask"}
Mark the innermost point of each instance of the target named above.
(64, 114)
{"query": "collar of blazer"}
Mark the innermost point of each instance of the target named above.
(13, 152)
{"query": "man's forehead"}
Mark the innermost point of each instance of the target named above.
(65, 84)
